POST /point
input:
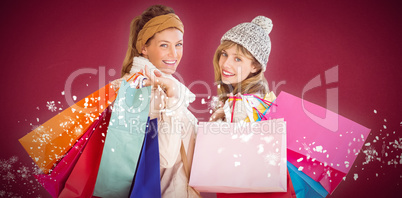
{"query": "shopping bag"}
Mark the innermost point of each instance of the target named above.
(48, 143)
(240, 157)
(54, 181)
(290, 193)
(322, 148)
(81, 181)
(255, 106)
(123, 142)
(147, 177)
(304, 186)
(259, 106)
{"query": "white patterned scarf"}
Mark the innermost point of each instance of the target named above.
(140, 62)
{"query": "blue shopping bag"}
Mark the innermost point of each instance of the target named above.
(304, 186)
(123, 142)
(147, 177)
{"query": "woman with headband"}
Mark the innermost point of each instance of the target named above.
(156, 47)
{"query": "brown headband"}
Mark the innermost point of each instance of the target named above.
(156, 25)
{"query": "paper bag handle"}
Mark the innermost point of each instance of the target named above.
(186, 166)
(135, 76)
(184, 159)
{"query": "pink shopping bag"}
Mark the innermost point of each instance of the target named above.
(324, 148)
(289, 194)
(240, 157)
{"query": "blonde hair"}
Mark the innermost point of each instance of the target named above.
(254, 83)
(135, 27)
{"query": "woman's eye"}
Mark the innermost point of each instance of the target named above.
(237, 59)
(163, 45)
(179, 44)
(224, 54)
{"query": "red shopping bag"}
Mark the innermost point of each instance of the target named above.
(322, 148)
(81, 181)
(54, 181)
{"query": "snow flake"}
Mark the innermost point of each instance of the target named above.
(220, 150)
(307, 148)
(51, 106)
(272, 158)
(36, 170)
(268, 139)
(214, 103)
(346, 164)
(260, 148)
(246, 138)
(13, 159)
(371, 154)
(36, 127)
(355, 176)
(318, 149)
(327, 172)
(5, 165)
(23, 172)
(300, 168)
(9, 176)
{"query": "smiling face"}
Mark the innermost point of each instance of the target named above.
(235, 66)
(165, 50)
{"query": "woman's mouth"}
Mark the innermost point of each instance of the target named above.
(227, 74)
(170, 62)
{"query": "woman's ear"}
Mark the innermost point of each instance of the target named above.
(253, 69)
(144, 52)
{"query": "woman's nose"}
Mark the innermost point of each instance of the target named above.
(172, 51)
(227, 62)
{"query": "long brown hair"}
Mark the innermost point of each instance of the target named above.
(136, 25)
(254, 83)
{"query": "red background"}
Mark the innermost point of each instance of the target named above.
(42, 43)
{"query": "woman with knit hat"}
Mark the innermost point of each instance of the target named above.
(156, 47)
(239, 64)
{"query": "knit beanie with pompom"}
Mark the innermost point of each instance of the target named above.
(254, 37)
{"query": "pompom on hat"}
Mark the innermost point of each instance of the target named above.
(254, 37)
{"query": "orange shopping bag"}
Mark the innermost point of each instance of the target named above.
(49, 142)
